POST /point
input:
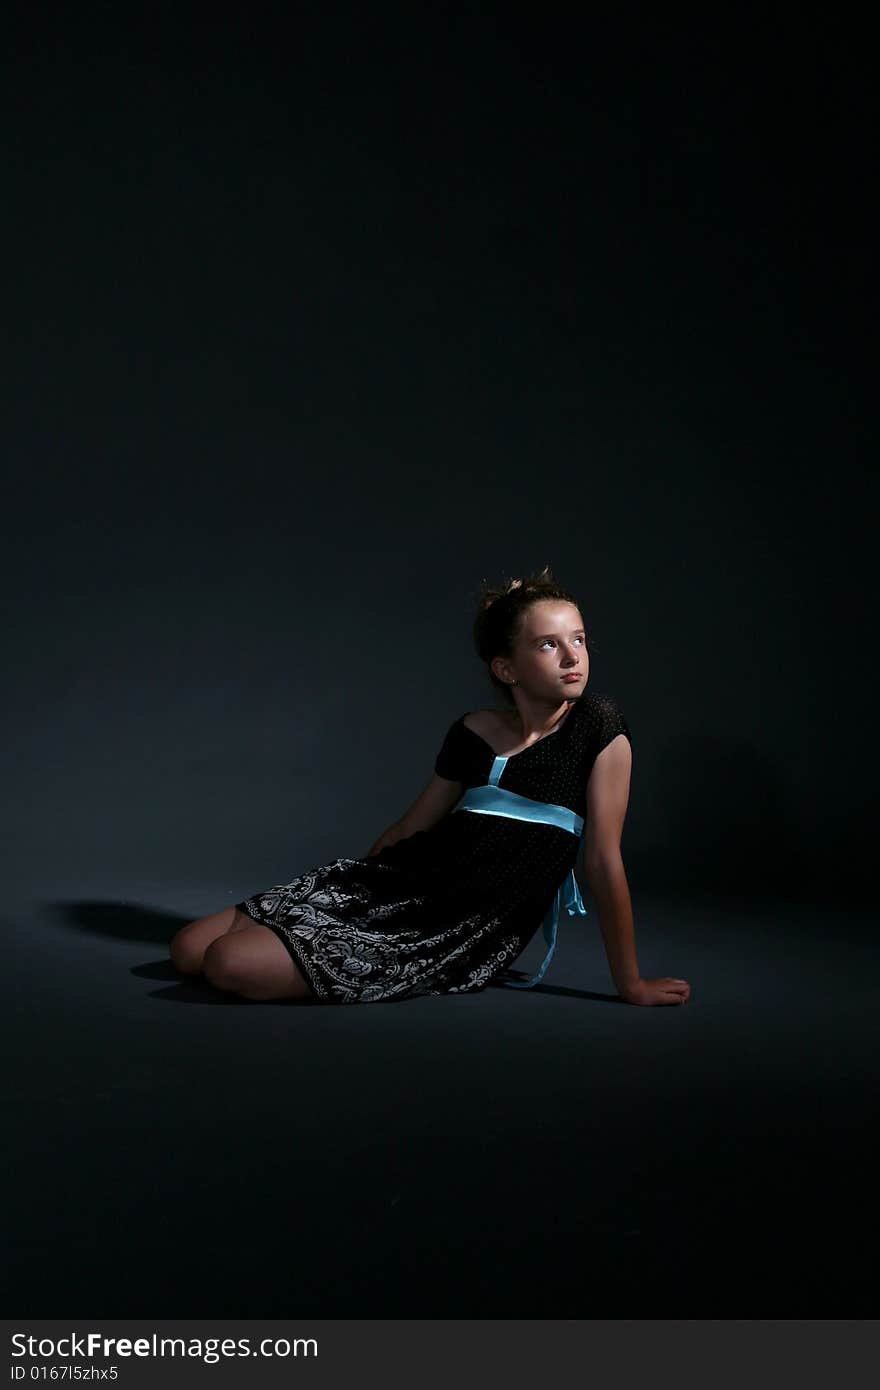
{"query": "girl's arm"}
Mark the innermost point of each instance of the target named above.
(607, 801)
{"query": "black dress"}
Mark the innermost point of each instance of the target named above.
(445, 910)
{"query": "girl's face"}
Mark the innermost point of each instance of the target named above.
(552, 644)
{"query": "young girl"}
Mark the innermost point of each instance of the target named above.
(453, 891)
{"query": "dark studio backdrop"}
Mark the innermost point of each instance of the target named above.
(312, 323)
(314, 318)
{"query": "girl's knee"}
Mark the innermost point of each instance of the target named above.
(187, 948)
(186, 954)
(223, 964)
(255, 965)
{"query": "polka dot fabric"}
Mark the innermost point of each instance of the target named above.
(445, 910)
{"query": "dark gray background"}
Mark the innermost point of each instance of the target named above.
(316, 322)
(314, 318)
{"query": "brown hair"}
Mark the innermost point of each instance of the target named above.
(500, 611)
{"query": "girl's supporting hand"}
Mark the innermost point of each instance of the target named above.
(666, 990)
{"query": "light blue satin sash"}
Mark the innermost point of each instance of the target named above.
(492, 800)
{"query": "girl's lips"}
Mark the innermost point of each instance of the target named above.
(574, 677)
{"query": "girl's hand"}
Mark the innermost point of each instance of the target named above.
(663, 991)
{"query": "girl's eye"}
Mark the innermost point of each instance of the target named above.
(550, 639)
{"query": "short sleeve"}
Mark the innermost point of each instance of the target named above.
(451, 760)
(611, 723)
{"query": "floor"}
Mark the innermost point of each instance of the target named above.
(177, 1152)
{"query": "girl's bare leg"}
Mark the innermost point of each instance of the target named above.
(236, 953)
(188, 946)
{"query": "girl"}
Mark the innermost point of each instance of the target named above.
(453, 891)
